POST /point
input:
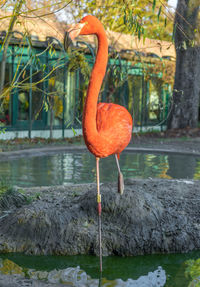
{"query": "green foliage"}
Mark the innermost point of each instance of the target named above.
(74, 132)
(2, 129)
(140, 17)
(193, 272)
(10, 196)
(77, 61)
(9, 267)
(31, 198)
(4, 186)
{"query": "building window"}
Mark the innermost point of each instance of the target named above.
(71, 103)
(154, 102)
(5, 98)
(30, 85)
(55, 97)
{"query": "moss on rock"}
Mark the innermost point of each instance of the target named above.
(9, 267)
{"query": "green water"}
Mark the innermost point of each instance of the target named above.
(79, 167)
(113, 267)
(67, 168)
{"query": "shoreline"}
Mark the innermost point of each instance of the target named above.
(189, 147)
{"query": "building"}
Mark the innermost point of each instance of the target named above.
(45, 86)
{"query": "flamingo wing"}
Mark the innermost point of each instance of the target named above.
(114, 123)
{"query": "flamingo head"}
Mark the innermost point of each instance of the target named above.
(87, 26)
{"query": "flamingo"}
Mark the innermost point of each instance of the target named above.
(107, 127)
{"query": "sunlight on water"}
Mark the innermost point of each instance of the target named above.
(67, 168)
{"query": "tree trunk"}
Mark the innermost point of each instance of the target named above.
(186, 93)
(13, 19)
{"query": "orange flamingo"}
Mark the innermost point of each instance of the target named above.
(107, 127)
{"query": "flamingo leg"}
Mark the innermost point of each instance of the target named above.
(120, 177)
(99, 211)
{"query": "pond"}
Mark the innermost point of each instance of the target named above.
(129, 270)
(79, 167)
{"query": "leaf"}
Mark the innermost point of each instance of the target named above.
(78, 121)
(139, 34)
(192, 43)
(184, 45)
(23, 75)
(46, 107)
(74, 132)
(159, 11)
(154, 5)
(2, 130)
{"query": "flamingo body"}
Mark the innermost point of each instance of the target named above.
(114, 129)
(107, 127)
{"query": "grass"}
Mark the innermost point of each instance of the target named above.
(11, 197)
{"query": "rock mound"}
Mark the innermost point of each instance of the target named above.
(151, 216)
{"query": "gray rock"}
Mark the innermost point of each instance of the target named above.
(17, 281)
(1, 262)
(151, 216)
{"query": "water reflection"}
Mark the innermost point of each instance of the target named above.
(66, 168)
(74, 276)
(79, 278)
(177, 269)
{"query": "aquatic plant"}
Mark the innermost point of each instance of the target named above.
(192, 272)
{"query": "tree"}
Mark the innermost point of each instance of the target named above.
(13, 19)
(18, 11)
(25, 9)
(127, 16)
(186, 92)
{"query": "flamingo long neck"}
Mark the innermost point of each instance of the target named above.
(97, 75)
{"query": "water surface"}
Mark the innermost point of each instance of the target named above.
(79, 167)
(114, 267)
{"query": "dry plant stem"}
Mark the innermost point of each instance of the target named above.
(99, 212)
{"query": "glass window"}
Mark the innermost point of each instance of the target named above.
(5, 98)
(23, 105)
(23, 95)
(154, 102)
(127, 92)
(70, 99)
(82, 92)
(55, 97)
(135, 101)
(37, 94)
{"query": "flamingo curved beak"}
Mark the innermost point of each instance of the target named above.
(71, 33)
